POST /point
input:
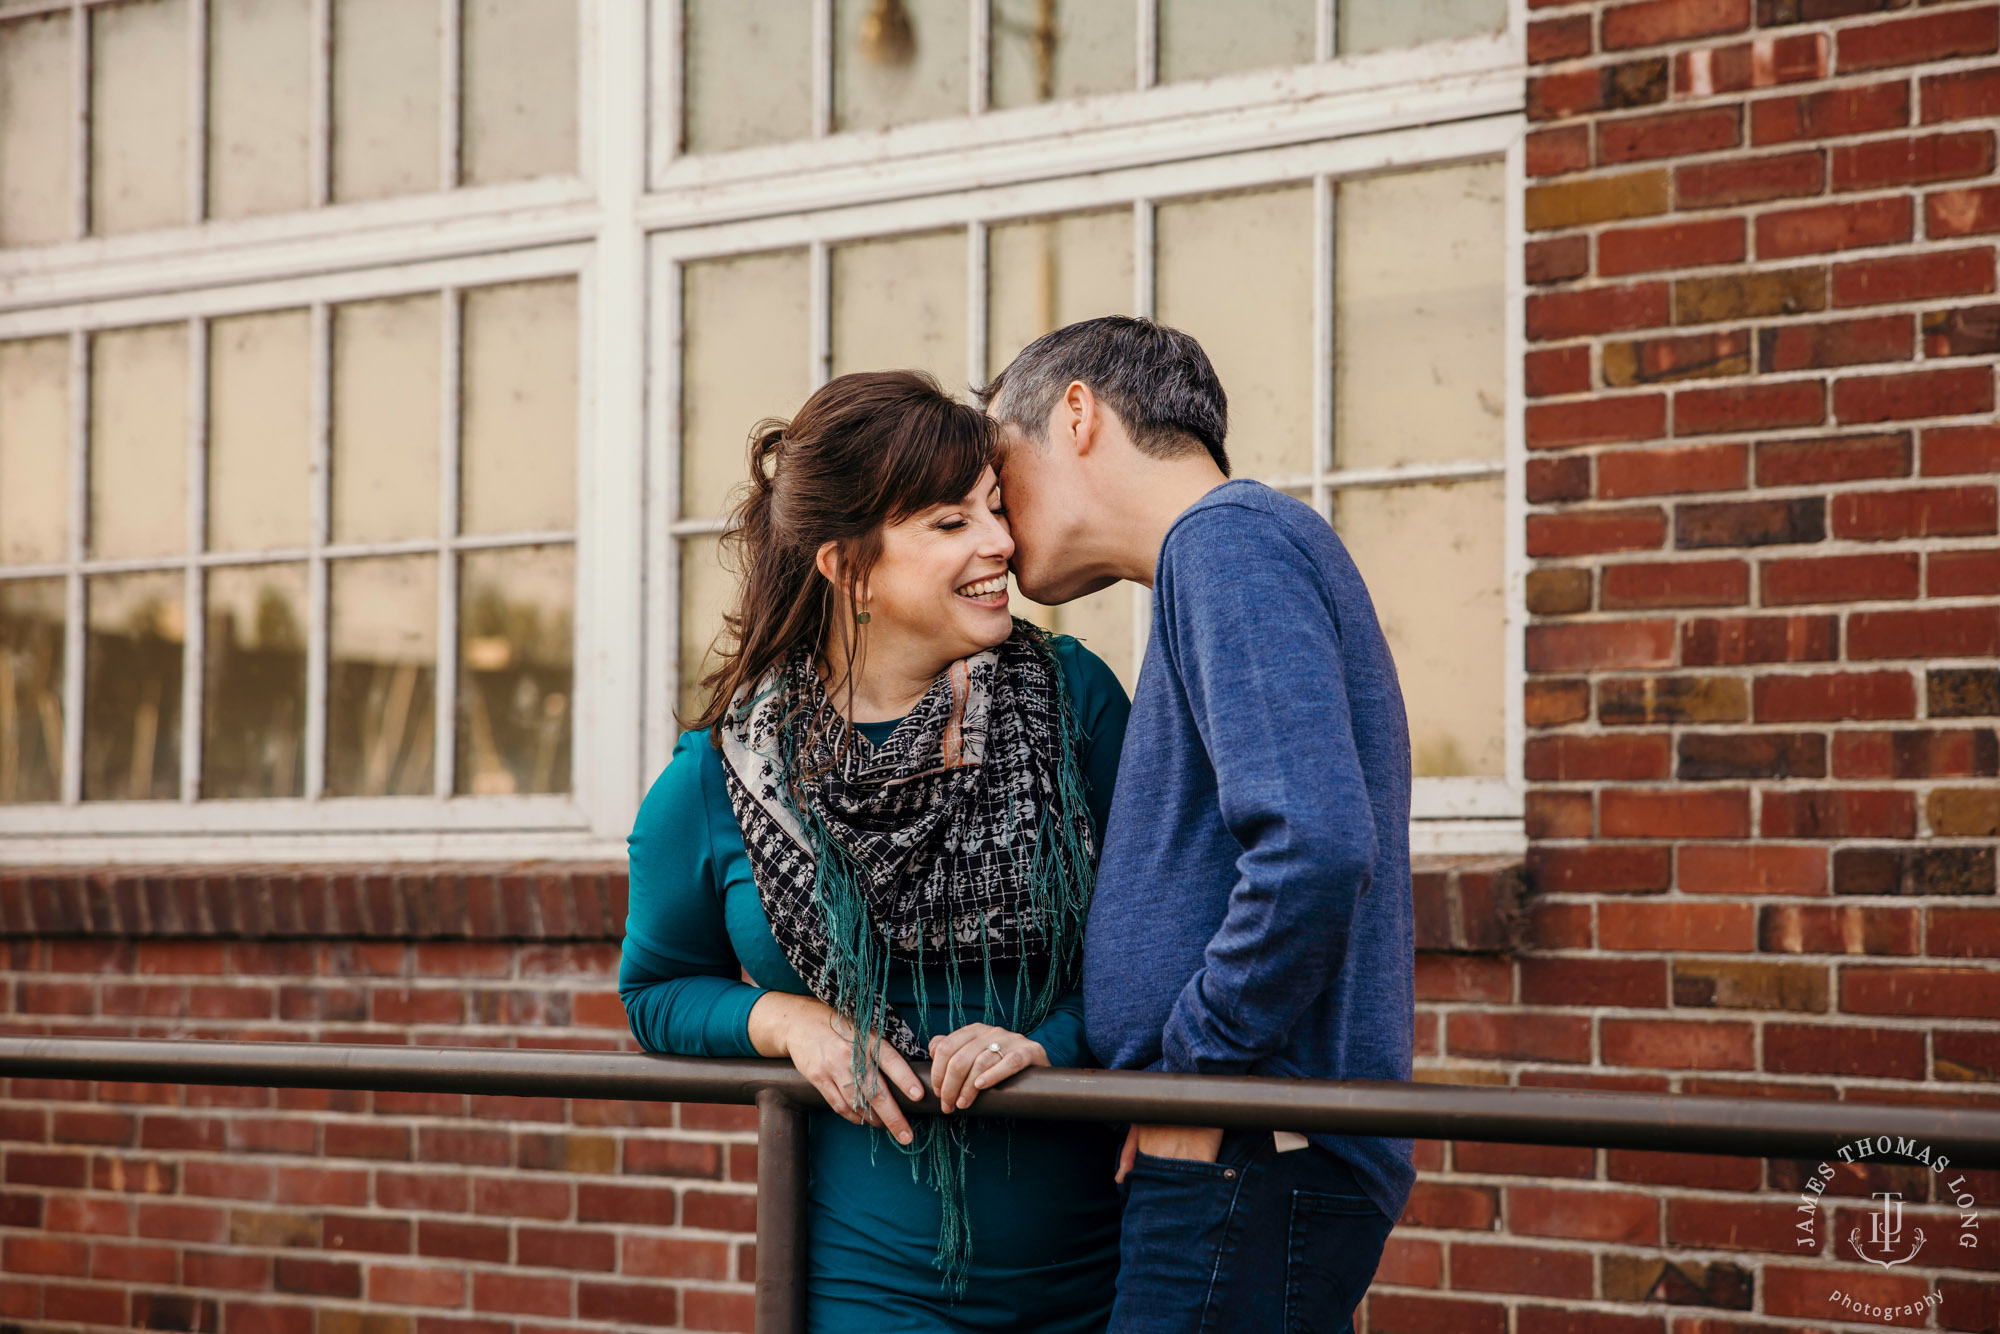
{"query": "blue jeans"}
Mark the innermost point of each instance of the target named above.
(1256, 1242)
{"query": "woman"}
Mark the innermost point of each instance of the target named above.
(876, 843)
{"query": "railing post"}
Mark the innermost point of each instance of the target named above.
(781, 1214)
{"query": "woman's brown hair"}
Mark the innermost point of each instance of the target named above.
(866, 450)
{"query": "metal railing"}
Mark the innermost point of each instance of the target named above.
(1745, 1127)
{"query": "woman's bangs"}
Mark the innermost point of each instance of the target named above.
(938, 462)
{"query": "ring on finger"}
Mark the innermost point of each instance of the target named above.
(993, 1047)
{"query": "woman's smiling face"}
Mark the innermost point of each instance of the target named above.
(941, 580)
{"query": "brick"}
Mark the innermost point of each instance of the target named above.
(1764, 63)
(1553, 703)
(1539, 1160)
(1451, 977)
(1957, 574)
(1886, 164)
(1750, 407)
(1839, 813)
(1635, 362)
(1632, 83)
(1735, 641)
(82, 1213)
(424, 1192)
(1601, 868)
(1578, 759)
(1777, 13)
(1853, 458)
(1625, 983)
(1917, 753)
(1640, 924)
(1589, 532)
(1938, 632)
(1835, 697)
(1754, 295)
(53, 1255)
(1596, 421)
(180, 1222)
(1696, 1171)
(1557, 370)
(1943, 273)
(1554, 151)
(1964, 812)
(1734, 1225)
(464, 1145)
(445, 1239)
(226, 1269)
(675, 1257)
(1556, 39)
(1971, 95)
(317, 1278)
(1673, 1044)
(1749, 523)
(520, 1294)
(1407, 1313)
(1965, 31)
(1532, 1270)
(1922, 871)
(712, 1209)
(388, 1143)
(1655, 22)
(1632, 701)
(628, 1303)
(1950, 993)
(1669, 134)
(1840, 579)
(1675, 584)
(173, 1310)
(1863, 1053)
(571, 1248)
(515, 1197)
(85, 1306)
(674, 1158)
(1583, 1215)
(1629, 473)
(1969, 331)
(1967, 211)
(1556, 259)
(1736, 984)
(1563, 591)
(1584, 203)
(1830, 114)
(405, 1285)
(1930, 393)
(1410, 1262)
(1748, 180)
(1846, 929)
(1949, 692)
(318, 1185)
(1515, 1035)
(1596, 310)
(1461, 1208)
(1827, 228)
(1880, 516)
(1753, 869)
(1712, 756)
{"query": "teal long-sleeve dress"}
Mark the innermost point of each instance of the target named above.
(1043, 1208)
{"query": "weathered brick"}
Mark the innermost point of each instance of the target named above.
(1765, 63)
(1596, 310)
(1557, 370)
(1935, 632)
(1788, 928)
(1669, 134)
(1884, 516)
(1587, 532)
(1637, 194)
(1968, 211)
(1958, 391)
(1730, 984)
(1749, 407)
(1958, 450)
(1558, 814)
(1633, 362)
(1674, 245)
(1558, 592)
(1754, 868)
(1749, 523)
(1964, 812)
(1969, 331)
(1565, 38)
(1884, 164)
(1754, 180)
(1577, 759)
(1607, 644)
(1655, 22)
(1534, 1270)
(1596, 421)
(1586, 1215)
(1959, 752)
(1825, 228)
(1602, 868)
(1755, 295)
(1556, 259)
(1943, 273)
(1953, 574)
(1712, 756)
(1818, 461)
(1965, 31)
(1628, 701)
(1624, 474)
(1962, 692)
(1971, 95)
(1837, 111)
(1947, 993)
(1673, 1044)
(1624, 983)
(1733, 1225)
(1734, 641)
(1913, 871)
(1839, 813)
(1835, 697)
(1410, 1313)
(1715, 583)
(1558, 478)
(1672, 813)
(1553, 703)
(1840, 579)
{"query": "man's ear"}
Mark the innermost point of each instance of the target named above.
(1084, 418)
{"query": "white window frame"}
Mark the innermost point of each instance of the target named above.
(623, 227)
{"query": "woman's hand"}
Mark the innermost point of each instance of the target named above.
(964, 1062)
(820, 1044)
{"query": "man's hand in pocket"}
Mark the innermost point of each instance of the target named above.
(1190, 1143)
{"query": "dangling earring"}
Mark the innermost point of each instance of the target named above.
(862, 617)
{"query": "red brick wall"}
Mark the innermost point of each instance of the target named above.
(1764, 661)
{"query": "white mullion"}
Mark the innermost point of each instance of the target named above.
(195, 596)
(1515, 469)
(74, 636)
(979, 59)
(666, 116)
(1329, 29)
(819, 274)
(1324, 295)
(975, 303)
(1401, 474)
(1148, 34)
(1144, 291)
(80, 23)
(713, 527)
(444, 693)
(822, 70)
(197, 164)
(663, 548)
(319, 133)
(318, 610)
(450, 99)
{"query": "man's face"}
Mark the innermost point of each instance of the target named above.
(1047, 502)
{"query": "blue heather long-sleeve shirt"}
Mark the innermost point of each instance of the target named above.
(1253, 911)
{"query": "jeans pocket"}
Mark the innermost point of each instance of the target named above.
(1335, 1242)
(1175, 1248)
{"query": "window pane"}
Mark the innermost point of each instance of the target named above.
(898, 61)
(1433, 558)
(386, 400)
(707, 591)
(259, 77)
(34, 451)
(1044, 274)
(132, 687)
(516, 609)
(1049, 49)
(260, 431)
(745, 353)
(1420, 322)
(387, 58)
(1199, 38)
(900, 303)
(723, 38)
(519, 425)
(138, 441)
(1377, 25)
(138, 116)
(520, 90)
(31, 689)
(37, 194)
(1236, 271)
(254, 682)
(381, 677)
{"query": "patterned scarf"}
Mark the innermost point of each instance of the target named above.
(963, 840)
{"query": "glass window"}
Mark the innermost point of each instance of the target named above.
(138, 116)
(388, 113)
(132, 687)
(254, 688)
(37, 168)
(388, 391)
(138, 441)
(898, 61)
(1200, 39)
(259, 106)
(1046, 50)
(515, 613)
(34, 451)
(520, 89)
(746, 349)
(519, 401)
(32, 618)
(708, 588)
(723, 38)
(260, 431)
(900, 303)
(381, 677)
(1378, 25)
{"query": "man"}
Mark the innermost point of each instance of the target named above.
(1252, 913)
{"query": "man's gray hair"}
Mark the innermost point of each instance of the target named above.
(1157, 380)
